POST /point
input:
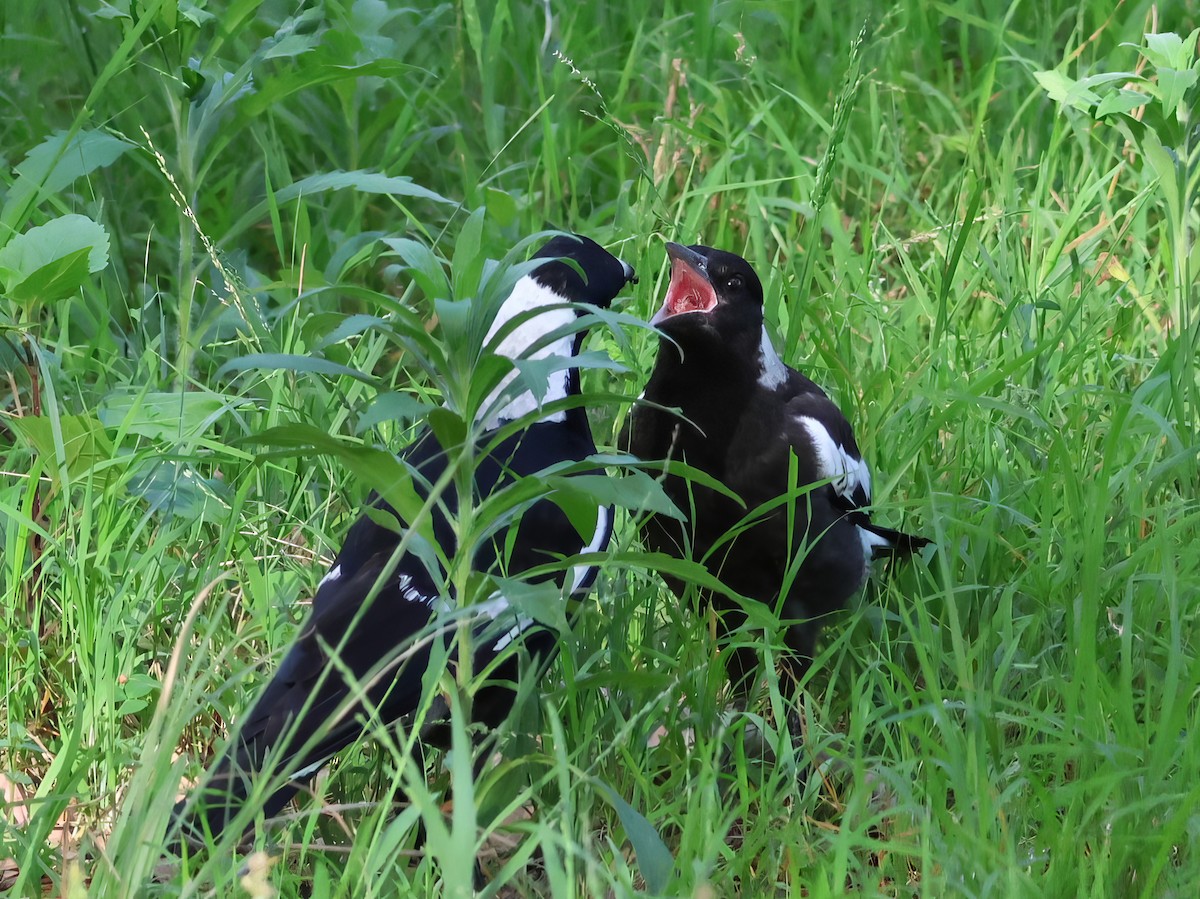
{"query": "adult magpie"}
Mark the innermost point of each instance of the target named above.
(379, 614)
(762, 429)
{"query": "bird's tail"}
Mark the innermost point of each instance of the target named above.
(213, 807)
(893, 543)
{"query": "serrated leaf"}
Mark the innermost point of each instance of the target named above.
(56, 162)
(653, 857)
(55, 280)
(51, 261)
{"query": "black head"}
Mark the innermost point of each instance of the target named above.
(713, 295)
(604, 274)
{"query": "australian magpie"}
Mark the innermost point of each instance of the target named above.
(378, 614)
(766, 432)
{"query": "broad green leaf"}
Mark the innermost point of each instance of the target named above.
(679, 469)
(543, 602)
(501, 206)
(84, 443)
(398, 407)
(362, 181)
(448, 427)
(51, 261)
(292, 362)
(454, 321)
(426, 268)
(351, 326)
(1121, 101)
(1172, 85)
(634, 490)
(468, 259)
(366, 182)
(581, 509)
(1169, 51)
(668, 566)
(55, 280)
(56, 162)
(653, 857)
(169, 417)
(178, 490)
(1164, 163)
(315, 74)
(1066, 90)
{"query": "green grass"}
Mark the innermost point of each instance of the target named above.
(992, 275)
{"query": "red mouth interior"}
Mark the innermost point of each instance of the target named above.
(689, 291)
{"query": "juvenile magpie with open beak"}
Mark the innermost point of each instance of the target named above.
(761, 428)
(379, 615)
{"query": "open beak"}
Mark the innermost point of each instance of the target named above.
(690, 289)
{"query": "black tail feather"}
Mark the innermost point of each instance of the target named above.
(900, 543)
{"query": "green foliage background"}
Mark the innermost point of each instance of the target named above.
(975, 222)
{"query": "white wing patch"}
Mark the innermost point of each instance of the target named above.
(334, 573)
(526, 296)
(493, 608)
(409, 593)
(772, 371)
(844, 472)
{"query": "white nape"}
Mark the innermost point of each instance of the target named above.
(526, 296)
(772, 371)
(844, 472)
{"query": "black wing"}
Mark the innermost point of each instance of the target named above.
(374, 620)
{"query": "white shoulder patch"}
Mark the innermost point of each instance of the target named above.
(772, 371)
(845, 472)
(527, 296)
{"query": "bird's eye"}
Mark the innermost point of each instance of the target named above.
(734, 282)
